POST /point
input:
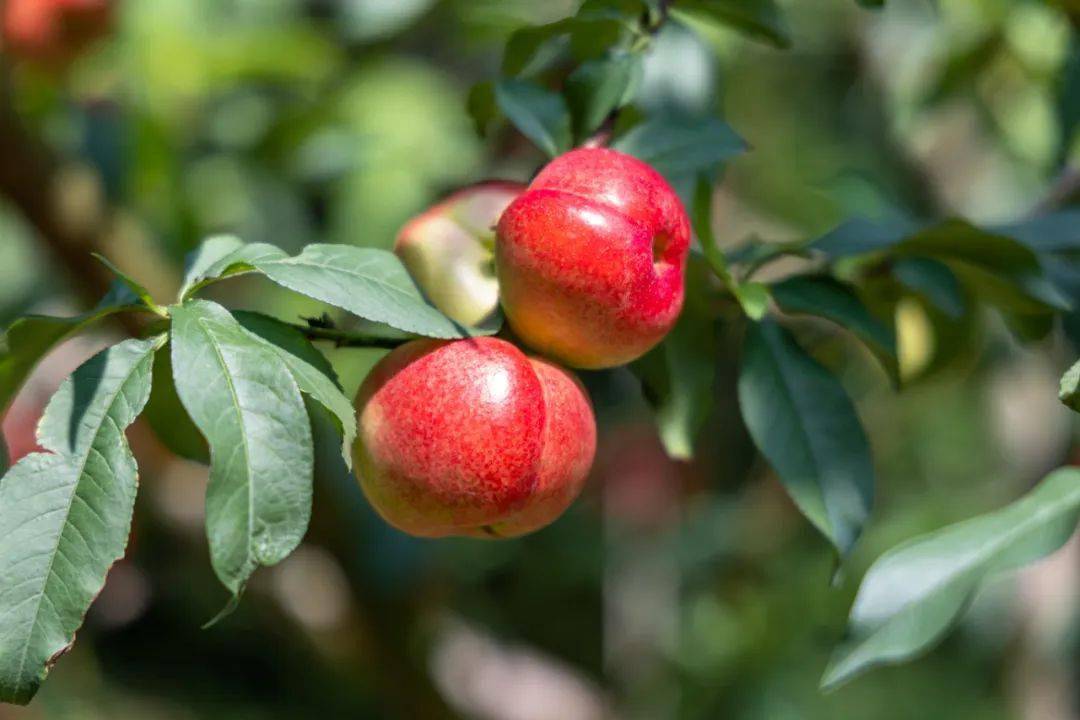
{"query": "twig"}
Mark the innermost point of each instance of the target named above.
(345, 338)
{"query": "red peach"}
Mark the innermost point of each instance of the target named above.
(448, 250)
(590, 259)
(471, 437)
(53, 32)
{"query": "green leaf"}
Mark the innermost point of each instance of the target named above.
(828, 298)
(934, 281)
(1070, 387)
(244, 400)
(310, 369)
(5, 457)
(523, 45)
(913, 593)
(167, 416)
(803, 422)
(136, 288)
(1003, 268)
(598, 87)
(540, 114)
(679, 374)
(65, 514)
(208, 254)
(482, 107)
(30, 338)
(679, 146)
(753, 297)
(218, 262)
(368, 282)
(757, 19)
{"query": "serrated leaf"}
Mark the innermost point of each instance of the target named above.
(803, 422)
(367, 282)
(598, 87)
(209, 253)
(680, 147)
(29, 338)
(828, 298)
(1070, 387)
(216, 264)
(540, 114)
(244, 400)
(65, 514)
(913, 593)
(310, 369)
(757, 19)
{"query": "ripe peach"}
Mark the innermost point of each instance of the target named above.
(53, 32)
(590, 259)
(448, 250)
(471, 437)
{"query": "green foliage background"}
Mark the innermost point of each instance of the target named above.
(676, 588)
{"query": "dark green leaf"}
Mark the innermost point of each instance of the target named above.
(65, 514)
(1008, 272)
(758, 19)
(831, 299)
(934, 281)
(524, 45)
(167, 416)
(803, 422)
(682, 146)
(1070, 387)
(30, 338)
(310, 369)
(598, 87)
(913, 593)
(482, 107)
(680, 372)
(243, 398)
(540, 114)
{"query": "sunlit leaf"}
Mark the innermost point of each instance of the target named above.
(310, 369)
(242, 396)
(913, 593)
(65, 514)
(204, 257)
(368, 282)
(803, 422)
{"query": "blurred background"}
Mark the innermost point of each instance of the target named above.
(672, 589)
